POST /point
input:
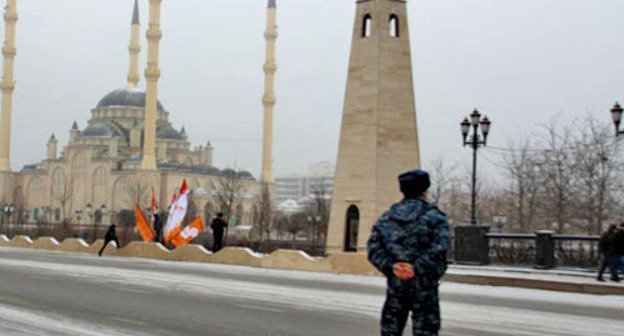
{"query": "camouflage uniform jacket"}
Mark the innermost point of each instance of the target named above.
(412, 231)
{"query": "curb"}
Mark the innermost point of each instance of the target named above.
(550, 285)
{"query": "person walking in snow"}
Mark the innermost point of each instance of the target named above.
(111, 235)
(608, 258)
(158, 228)
(408, 244)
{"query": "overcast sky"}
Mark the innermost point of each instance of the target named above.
(519, 61)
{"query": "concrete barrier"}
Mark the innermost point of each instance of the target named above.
(145, 250)
(21, 242)
(350, 263)
(4, 240)
(192, 252)
(46, 243)
(241, 256)
(75, 245)
(293, 260)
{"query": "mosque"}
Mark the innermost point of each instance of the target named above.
(128, 146)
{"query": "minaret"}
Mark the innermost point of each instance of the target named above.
(8, 85)
(52, 148)
(152, 74)
(134, 48)
(378, 137)
(74, 133)
(268, 100)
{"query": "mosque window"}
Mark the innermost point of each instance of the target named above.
(367, 25)
(394, 25)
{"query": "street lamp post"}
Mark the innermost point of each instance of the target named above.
(11, 210)
(89, 209)
(5, 211)
(616, 116)
(78, 215)
(476, 140)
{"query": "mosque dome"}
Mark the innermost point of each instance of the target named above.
(100, 129)
(164, 130)
(125, 98)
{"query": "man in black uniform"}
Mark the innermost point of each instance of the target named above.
(111, 235)
(408, 245)
(218, 228)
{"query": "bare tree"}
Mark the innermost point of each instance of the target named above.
(524, 180)
(63, 193)
(293, 224)
(137, 189)
(570, 183)
(318, 210)
(442, 177)
(556, 168)
(456, 204)
(280, 225)
(264, 213)
(229, 192)
(597, 162)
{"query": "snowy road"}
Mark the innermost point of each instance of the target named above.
(44, 293)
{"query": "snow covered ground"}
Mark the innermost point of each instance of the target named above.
(44, 293)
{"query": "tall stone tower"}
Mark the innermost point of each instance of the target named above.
(378, 138)
(134, 48)
(268, 100)
(152, 74)
(8, 85)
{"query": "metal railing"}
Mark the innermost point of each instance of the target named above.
(511, 249)
(542, 249)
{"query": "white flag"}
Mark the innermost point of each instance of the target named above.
(176, 216)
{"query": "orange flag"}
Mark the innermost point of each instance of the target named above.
(141, 223)
(189, 233)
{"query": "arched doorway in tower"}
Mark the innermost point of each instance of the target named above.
(352, 228)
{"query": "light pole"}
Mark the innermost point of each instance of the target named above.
(89, 209)
(475, 142)
(616, 116)
(5, 211)
(78, 215)
(11, 209)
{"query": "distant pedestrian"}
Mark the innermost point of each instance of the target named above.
(157, 228)
(606, 248)
(111, 235)
(618, 249)
(408, 245)
(218, 227)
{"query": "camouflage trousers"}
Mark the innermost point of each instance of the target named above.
(418, 296)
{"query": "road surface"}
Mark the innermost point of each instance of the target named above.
(50, 293)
